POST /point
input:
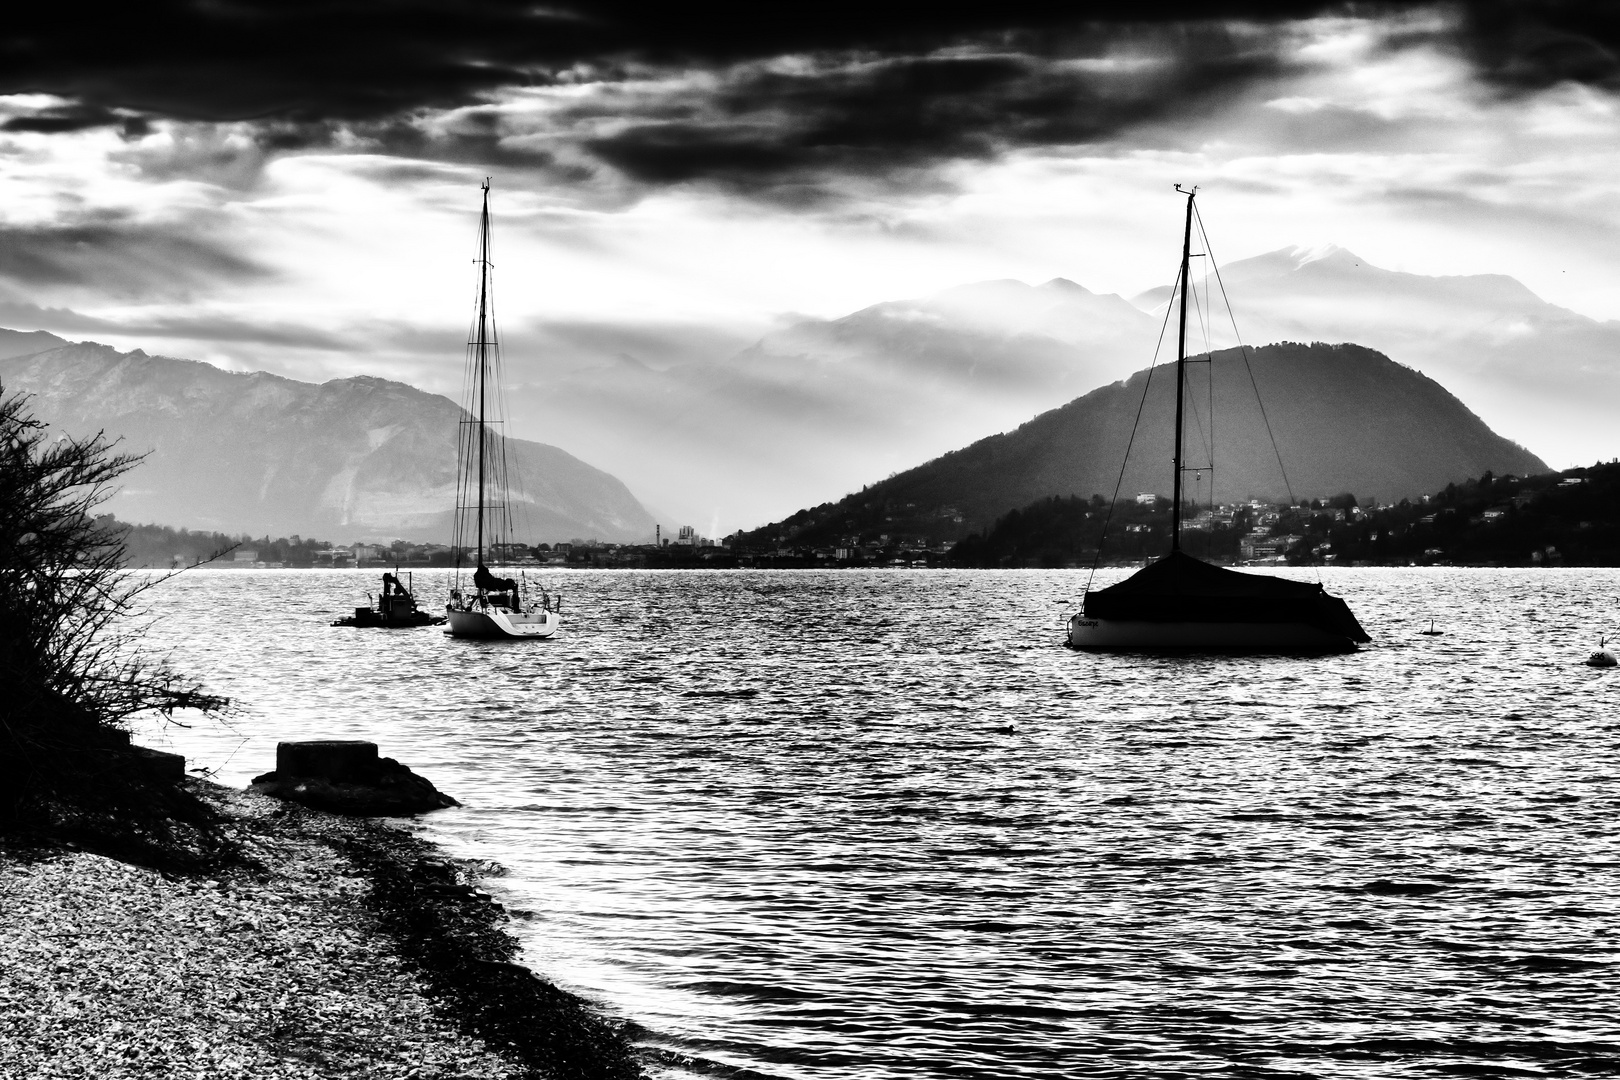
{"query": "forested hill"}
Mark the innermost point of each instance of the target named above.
(1346, 419)
(1570, 518)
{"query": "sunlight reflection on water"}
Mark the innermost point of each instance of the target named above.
(882, 824)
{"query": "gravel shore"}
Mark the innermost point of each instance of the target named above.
(337, 947)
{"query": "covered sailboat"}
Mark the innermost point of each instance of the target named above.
(489, 606)
(1183, 604)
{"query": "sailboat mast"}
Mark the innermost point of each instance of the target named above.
(1181, 373)
(483, 354)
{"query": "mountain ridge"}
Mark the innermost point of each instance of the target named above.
(823, 404)
(752, 430)
(1541, 374)
(357, 457)
(1346, 418)
(1330, 260)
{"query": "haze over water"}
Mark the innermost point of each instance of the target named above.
(882, 824)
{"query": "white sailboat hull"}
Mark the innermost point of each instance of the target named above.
(1257, 638)
(499, 624)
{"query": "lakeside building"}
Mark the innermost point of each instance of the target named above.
(1258, 545)
(1209, 520)
(688, 537)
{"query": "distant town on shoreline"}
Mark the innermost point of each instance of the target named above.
(1569, 518)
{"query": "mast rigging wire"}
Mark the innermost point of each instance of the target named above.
(1205, 326)
(1232, 316)
(1108, 517)
(485, 435)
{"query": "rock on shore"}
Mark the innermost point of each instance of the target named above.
(346, 776)
(341, 948)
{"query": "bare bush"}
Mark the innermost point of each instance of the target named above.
(71, 668)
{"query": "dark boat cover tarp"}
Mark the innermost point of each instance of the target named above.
(1180, 588)
(487, 581)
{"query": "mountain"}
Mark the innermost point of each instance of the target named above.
(1001, 339)
(360, 458)
(26, 342)
(1345, 418)
(823, 404)
(731, 433)
(732, 426)
(1540, 374)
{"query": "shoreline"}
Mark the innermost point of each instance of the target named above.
(333, 947)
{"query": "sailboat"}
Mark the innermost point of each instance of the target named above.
(489, 606)
(1182, 604)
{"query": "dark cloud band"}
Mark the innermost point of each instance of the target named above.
(881, 85)
(866, 115)
(1531, 44)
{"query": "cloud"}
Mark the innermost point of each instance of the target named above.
(265, 59)
(1536, 44)
(115, 254)
(199, 327)
(578, 342)
(20, 313)
(759, 99)
(313, 61)
(858, 114)
(55, 118)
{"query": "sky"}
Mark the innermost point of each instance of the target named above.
(294, 187)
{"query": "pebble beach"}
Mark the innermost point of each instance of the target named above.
(334, 947)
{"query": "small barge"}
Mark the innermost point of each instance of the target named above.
(395, 607)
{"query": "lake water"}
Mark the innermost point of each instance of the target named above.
(883, 824)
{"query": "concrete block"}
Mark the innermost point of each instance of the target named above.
(343, 777)
(160, 764)
(338, 760)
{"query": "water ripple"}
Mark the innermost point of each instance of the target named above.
(882, 825)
